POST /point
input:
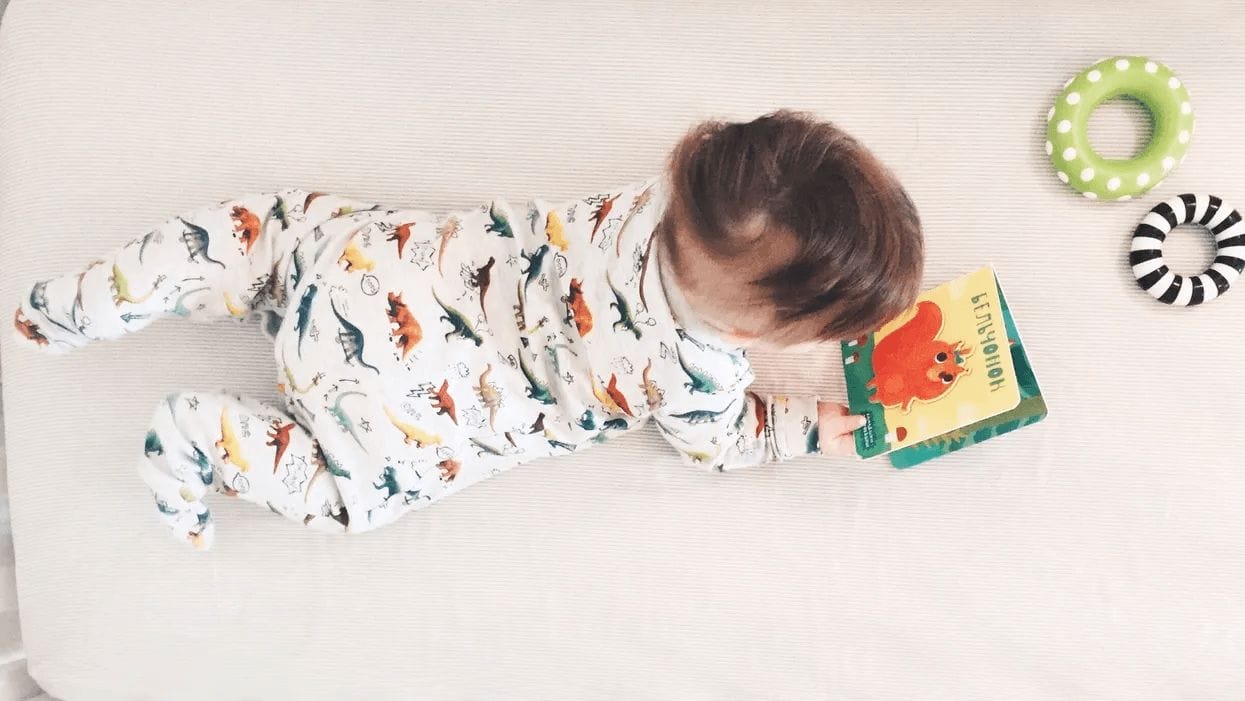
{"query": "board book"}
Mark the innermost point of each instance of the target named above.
(948, 373)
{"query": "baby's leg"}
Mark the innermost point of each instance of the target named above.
(213, 442)
(220, 261)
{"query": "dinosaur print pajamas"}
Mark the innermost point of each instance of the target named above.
(418, 354)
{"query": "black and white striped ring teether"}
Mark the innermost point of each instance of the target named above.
(1151, 270)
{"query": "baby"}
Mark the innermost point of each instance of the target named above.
(420, 354)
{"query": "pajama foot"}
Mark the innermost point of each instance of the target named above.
(180, 508)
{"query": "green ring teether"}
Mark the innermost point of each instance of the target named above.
(1148, 82)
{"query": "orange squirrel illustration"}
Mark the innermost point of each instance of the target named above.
(911, 363)
(279, 438)
(245, 226)
(577, 308)
(408, 332)
(28, 329)
(443, 402)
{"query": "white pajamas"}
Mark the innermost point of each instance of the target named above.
(418, 354)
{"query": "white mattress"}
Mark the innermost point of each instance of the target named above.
(1096, 555)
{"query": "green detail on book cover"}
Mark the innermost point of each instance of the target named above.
(1030, 410)
(858, 367)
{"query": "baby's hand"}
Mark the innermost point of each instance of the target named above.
(835, 426)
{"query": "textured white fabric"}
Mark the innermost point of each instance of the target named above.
(1095, 555)
(14, 682)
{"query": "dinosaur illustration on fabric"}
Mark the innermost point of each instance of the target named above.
(412, 434)
(499, 225)
(354, 259)
(279, 439)
(620, 305)
(152, 444)
(443, 402)
(230, 445)
(480, 279)
(28, 329)
(637, 205)
(197, 240)
(460, 326)
(277, 211)
(388, 482)
(234, 310)
(535, 263)
(702, 416)
(577, 309)
(555, 232)
(620, 400)
(489, 395)
(400, 235)
(697, 380)
(302, 316)
(654, 396)
(246, 227)
(552, 350)
(535, 390)
(448, 468)
(611, 397)
(351, 339)
(121, 289)
(601, 213)
(343, 419)
(39, 302)
(448, 230)
(406, 331)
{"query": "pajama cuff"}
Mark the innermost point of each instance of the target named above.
(795, 427)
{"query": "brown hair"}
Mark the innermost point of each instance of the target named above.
(854, 255)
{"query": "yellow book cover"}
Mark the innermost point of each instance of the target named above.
(941, 365)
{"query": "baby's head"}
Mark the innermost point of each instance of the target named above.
(785, 230)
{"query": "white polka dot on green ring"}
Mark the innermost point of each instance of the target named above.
(1064, 126)
(1143, 179)
(1113, 184)
(1063, 177)
(1121, 65)
(1087, 174)
(1069, 153)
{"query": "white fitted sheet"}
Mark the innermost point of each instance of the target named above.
(1095, 555)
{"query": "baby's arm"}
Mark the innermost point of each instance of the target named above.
(219, 261)
(741, 428)
(736, 427)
